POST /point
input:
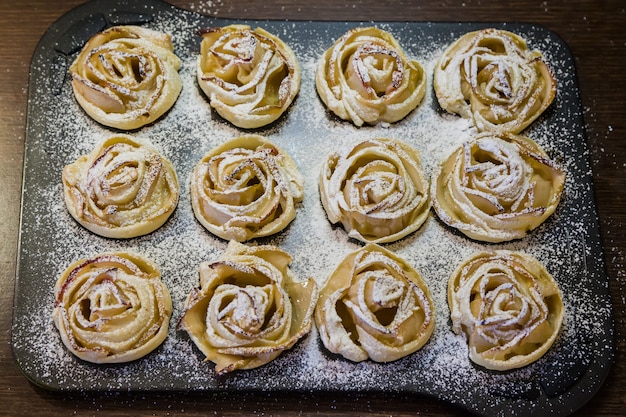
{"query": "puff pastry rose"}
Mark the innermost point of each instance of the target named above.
(374, 306)
(127, 76)
(124, 188)
(112, 307)
(497, 188)
(376, 189)
(249, 307)
(246, 188)
(507, 305)
(491, 77)
(250, 76)
(366, 77)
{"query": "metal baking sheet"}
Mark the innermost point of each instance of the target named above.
(58, 131)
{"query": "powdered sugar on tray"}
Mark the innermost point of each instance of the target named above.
(59, 132)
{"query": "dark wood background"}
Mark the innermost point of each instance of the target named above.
(595, 30)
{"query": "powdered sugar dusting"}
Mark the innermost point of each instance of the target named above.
(59, 132)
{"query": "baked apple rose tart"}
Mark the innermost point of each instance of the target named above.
(507, 305)
(374, 306)
(246, 188)
(376, 189)
(127, 76)
(250, 76)
(112, 307)
(366, 77)
(124, 188)
(491, 77)
(249, 308)
(497, 187)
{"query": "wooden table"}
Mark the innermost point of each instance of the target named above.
(596, 33)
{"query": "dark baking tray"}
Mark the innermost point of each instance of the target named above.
(568, 243)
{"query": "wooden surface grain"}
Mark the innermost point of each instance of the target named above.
(594, 30)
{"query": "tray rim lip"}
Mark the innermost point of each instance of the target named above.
(67, 18)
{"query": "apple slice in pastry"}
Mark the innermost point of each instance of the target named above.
(246, 188)
(127, 76)
(376, 189)
(112, 307)
(124, 188)
(374, 306)
(250, 76)
(497, 187)
(507, 305)
(492, 78)
(367, 78)
(249, 307)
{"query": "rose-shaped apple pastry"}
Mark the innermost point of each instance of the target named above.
(491, 77)
(250, 76)
(127, 76)
(507, 305)
(246, 188)
(376, 306)
(124, 188)
(497, 188)
(249, 307)
(112, 307)
(366, 77)
(376, 189)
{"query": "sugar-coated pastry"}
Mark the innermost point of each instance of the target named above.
(112, 307)
(376, 189)
(246, 188)
(491, 77)
(374, 306)
(249, 308)
(496, 187)
(250, 76)
(507, 305)
(124, 188)
(367, 78)
(127, 76)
